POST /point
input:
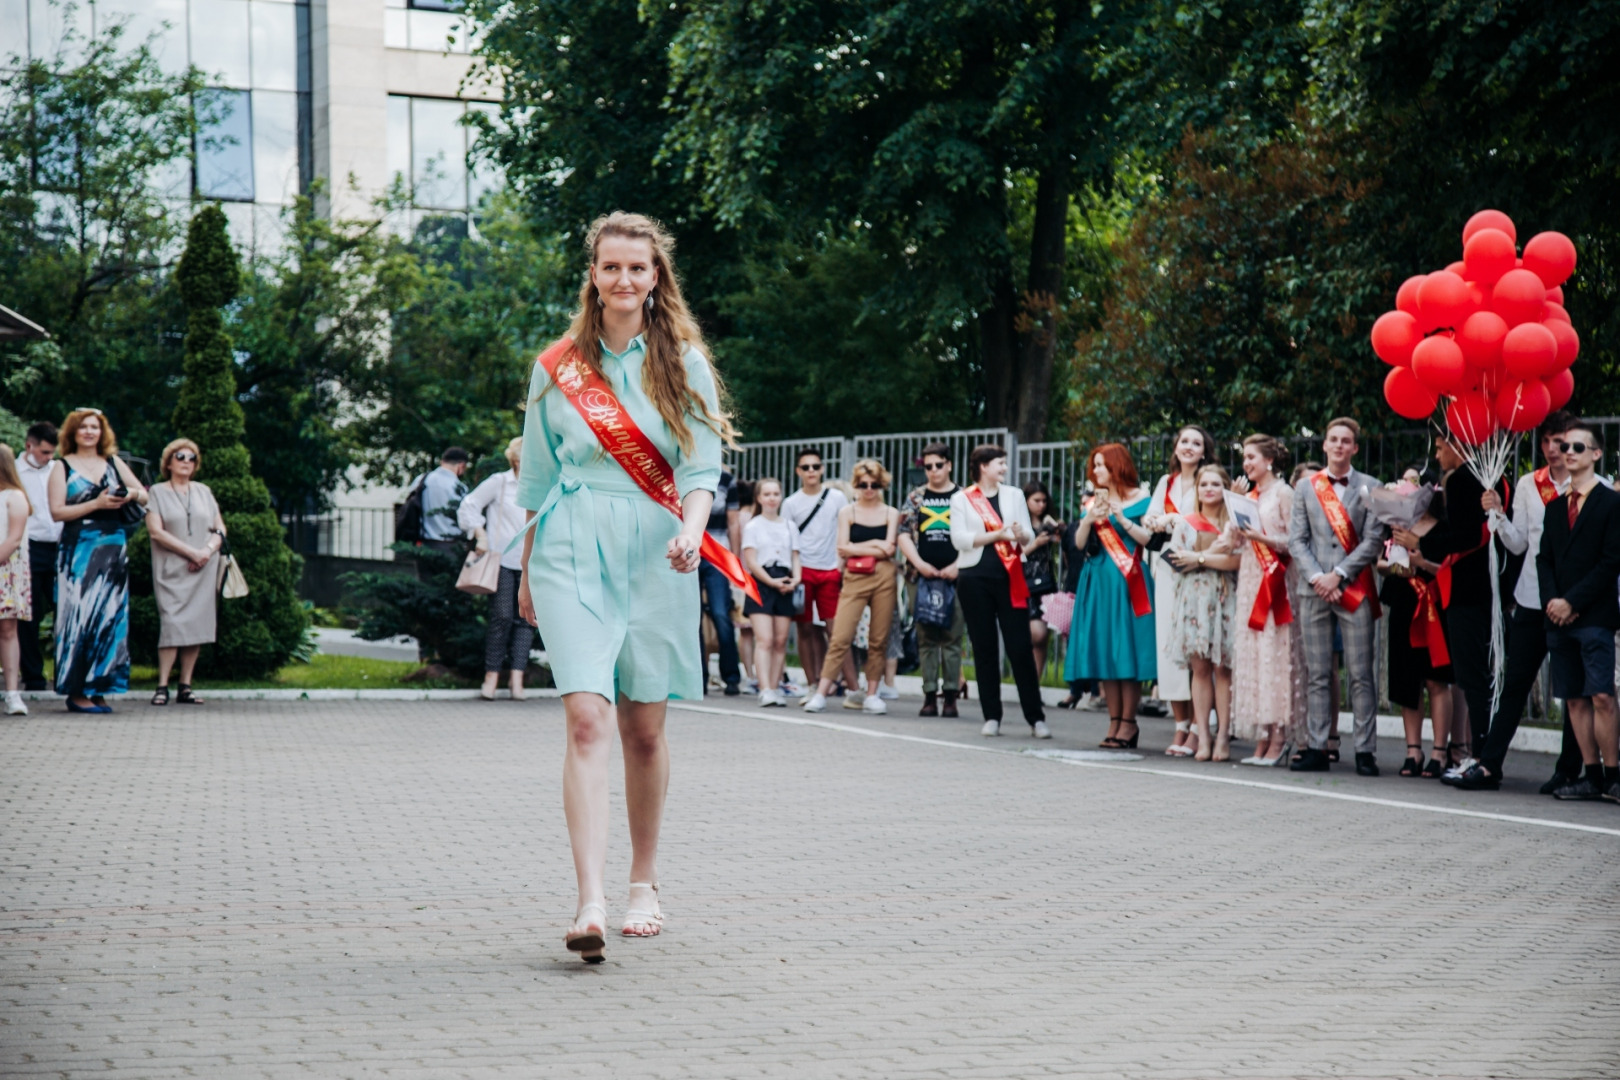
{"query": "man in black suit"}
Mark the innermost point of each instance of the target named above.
(1578, 565)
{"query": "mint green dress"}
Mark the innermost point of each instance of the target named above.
(616, 618)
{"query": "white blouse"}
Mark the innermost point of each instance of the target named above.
(493, 505)
(774, 542)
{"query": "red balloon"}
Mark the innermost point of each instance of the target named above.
(1490, 219)
(1438, 364)
(1522, 405)
(1569, 342)
(1488, 255)
(1551, 255)
(1394, 336)
(1480, 339)
(1551, 312)
(1530, 351)
(1443, 300)
(1457, 268)
(1562, 387)
(1471, 418)
(1556, 295)
(1407, 396)
(1518, 297)
(1406, 296)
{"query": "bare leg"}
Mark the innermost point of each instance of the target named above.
(10, 654)
(1606, 728)
(745, 650)
(1203, 699)
(1582, 724)
(188, 662)
(515, 684)
(585, 789)
(1037, 643)
(1113, 694)
(1223, 713)
(492, 679)
(1130, 697)
(166, 656)
(778, 649)
(1182, 711)
(646, 783)
(812, 651)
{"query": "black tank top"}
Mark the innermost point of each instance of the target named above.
(859, 534)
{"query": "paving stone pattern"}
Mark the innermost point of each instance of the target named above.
(369, 889)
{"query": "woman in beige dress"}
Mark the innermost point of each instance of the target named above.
(187, 532)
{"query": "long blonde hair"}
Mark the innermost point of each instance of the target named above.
(9, 480)
(1226, 482)
(667, 325)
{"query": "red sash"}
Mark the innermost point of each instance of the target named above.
(631, 448)
(1200, 523)
(1442, 576)
(1129, 565)
(1272, 599)
(1428, 632)
(1353, 593)
(1006, 550)
(1169, 488)
(1544, 485)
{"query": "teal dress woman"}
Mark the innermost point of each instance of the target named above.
(608, 573)
(1108, 641)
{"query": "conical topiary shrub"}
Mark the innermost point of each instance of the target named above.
(262, 631)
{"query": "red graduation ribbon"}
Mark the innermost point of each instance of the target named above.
(1169, 492)
(1544, 485)
(1353, 593)
(1006, 550)
(1427, 631)
(1442, 576)
(1129, 565)
(631, 448)
(1200, 523)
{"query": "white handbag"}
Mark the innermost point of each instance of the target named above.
(233, 583)
(480, 574)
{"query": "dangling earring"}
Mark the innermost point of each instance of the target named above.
(649, 300)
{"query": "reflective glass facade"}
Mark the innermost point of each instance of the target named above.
(429, 148)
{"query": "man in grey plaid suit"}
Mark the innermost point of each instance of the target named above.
(1326, 569)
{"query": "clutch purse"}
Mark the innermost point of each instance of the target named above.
(860, 564)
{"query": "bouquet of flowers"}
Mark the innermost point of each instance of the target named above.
(1399, 505)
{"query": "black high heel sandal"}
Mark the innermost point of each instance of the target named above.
(1413, 766)
(1130, 744)
(186, 697)
(1433, 769)
(1112, 742)
(160, 696)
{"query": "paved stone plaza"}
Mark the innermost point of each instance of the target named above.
(380, 889)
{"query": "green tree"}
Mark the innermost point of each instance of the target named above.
(87, 147)
(264, 630)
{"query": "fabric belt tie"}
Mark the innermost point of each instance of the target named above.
(574, 495)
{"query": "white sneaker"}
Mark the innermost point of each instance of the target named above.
(888, 693)
(815, 703)
(767, 698)
(852, 700)
(874, 705)
(991, 727)
(14, 703)
(1461, 767)
(1041, 730)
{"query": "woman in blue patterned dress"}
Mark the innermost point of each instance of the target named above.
(608, 574)
(88, 488)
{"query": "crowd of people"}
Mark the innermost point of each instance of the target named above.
(68, 504)
(1246, 603)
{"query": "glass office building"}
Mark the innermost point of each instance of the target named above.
(354, 91)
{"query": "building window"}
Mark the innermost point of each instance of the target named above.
(426, 25)
(225, 145)
(428, 147)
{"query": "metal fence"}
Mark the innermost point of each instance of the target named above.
(345, 532)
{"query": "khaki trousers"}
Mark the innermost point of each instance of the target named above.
(878, 590)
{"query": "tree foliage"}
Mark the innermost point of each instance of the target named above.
(260, 632)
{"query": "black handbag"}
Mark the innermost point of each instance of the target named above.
(1039, 576)
(936, 602)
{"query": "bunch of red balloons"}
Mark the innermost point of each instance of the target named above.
(1488, 334)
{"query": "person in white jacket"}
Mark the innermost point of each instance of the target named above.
(490, 514)
(989, 525)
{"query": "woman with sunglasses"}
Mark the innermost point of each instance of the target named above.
(89, 493)
(866, 543)
(187, 534)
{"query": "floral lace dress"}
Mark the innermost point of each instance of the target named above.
(1268, 675)
(16, 599)
(1203, 623)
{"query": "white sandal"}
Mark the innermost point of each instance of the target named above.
(588, 937)
(1183, 727)
(640, 922)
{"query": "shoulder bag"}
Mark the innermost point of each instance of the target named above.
(480, 574)
(936, 602)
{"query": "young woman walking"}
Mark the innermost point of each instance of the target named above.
(770, 550)
(611, 549)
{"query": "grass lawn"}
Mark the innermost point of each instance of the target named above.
(321, 673)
